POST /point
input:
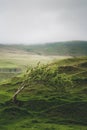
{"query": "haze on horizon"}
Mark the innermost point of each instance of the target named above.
(40, 21)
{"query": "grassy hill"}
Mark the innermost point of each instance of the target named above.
(54, 98)
(16, 58)
(68, 48)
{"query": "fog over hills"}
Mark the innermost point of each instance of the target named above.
(68, 48)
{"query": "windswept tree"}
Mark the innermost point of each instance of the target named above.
(46, 75)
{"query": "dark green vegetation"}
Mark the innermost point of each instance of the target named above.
(54, 98)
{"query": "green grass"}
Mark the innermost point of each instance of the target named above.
(45, 126)
(43, 106)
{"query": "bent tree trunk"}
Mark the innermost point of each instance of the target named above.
(17, 92)
(23, 85)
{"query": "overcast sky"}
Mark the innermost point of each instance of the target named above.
(39, 21)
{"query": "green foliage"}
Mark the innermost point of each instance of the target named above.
(50, 77)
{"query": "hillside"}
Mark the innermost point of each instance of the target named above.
(14, 59)
(54, 97)
(68, 48)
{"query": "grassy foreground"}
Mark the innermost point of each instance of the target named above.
(54, 98)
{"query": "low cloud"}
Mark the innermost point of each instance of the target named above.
(38, 21)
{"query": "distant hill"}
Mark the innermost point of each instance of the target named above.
(68, 48)
(72, 48)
